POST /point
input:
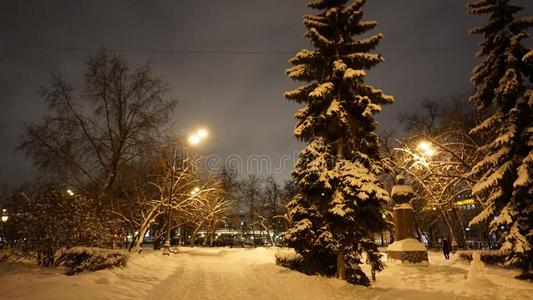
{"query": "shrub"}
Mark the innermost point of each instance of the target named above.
(44, 219)
(80, 259)
(288, 258)
(491, 257)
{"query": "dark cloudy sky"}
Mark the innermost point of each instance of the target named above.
(237, 95)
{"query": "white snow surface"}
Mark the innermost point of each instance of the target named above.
(402, 190)
(223, 273)
(406, 245)
(477, 268)
(287, 254)
(403, 206)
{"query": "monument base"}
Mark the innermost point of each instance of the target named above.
(408, 251)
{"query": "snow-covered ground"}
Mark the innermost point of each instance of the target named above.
(221, 273)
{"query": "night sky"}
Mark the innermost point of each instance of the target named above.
(224, 61)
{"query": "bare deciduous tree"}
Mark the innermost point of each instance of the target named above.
(90, 133)
(438, 173)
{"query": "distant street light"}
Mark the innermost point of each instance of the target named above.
(4, 215)
(195, 191)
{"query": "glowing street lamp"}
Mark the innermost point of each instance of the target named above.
(426, 148)
(4, 215)
(194, 139)
(195, 191)
(202, 133)
(70, 192)
(198, 136)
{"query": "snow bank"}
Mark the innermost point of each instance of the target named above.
(80, 259)
(287, 254)
(135, 281)
(407, 245)
(491, 257)
(288, 257)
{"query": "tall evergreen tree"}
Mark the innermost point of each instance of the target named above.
(504, 94)
(340, 203)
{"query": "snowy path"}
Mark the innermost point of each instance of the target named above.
(221, 273)
(214, 274)
(251, 274)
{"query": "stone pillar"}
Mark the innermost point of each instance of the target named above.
(404, 221)
(405, 249)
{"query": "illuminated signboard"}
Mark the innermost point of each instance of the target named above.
(464, 202)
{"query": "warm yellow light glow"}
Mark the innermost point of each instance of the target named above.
(194, 139)
(426, 148)
(202, 133)
(70, 192)
(4, 218)
(198, 136)
(464, 202)
(195, 191)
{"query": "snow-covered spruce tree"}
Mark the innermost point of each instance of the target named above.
(340, 203)
(504, 93)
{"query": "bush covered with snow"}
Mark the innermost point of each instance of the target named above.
(44, 219)
(491, 257)
(288, 258)
(79, 259)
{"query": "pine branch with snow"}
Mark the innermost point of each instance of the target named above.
(503, 92)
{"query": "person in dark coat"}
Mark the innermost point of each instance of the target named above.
(446, 248)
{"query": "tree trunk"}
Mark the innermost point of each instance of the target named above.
(213, 233)
(449, 224)
(462, 227)
(341, 271)
(140, 239)
(270, 237)
(193, 235)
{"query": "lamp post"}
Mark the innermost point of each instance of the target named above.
(426, 148)
(5, 216)
(194, 139)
